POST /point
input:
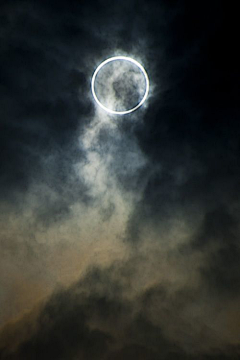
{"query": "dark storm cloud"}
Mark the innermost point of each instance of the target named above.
(92, 320)
(220, 230)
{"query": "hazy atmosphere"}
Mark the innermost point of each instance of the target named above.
(119, 234)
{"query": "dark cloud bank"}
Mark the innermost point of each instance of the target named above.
(92, 320)
(189, 138)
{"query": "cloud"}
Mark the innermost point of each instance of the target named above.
(122, 231)
(218, 237)
(94, 319)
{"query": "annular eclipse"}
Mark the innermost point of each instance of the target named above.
(123, 58)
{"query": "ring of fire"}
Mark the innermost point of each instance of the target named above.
(125, 58)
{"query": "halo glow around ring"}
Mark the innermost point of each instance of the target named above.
(126, 59)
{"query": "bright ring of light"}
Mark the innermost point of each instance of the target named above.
(126, 59)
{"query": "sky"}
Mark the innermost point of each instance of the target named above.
(119, 235)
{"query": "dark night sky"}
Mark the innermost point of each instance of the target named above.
(119, 235)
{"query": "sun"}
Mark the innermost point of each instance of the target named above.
(125, 59)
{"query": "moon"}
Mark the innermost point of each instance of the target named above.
(140, 67)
